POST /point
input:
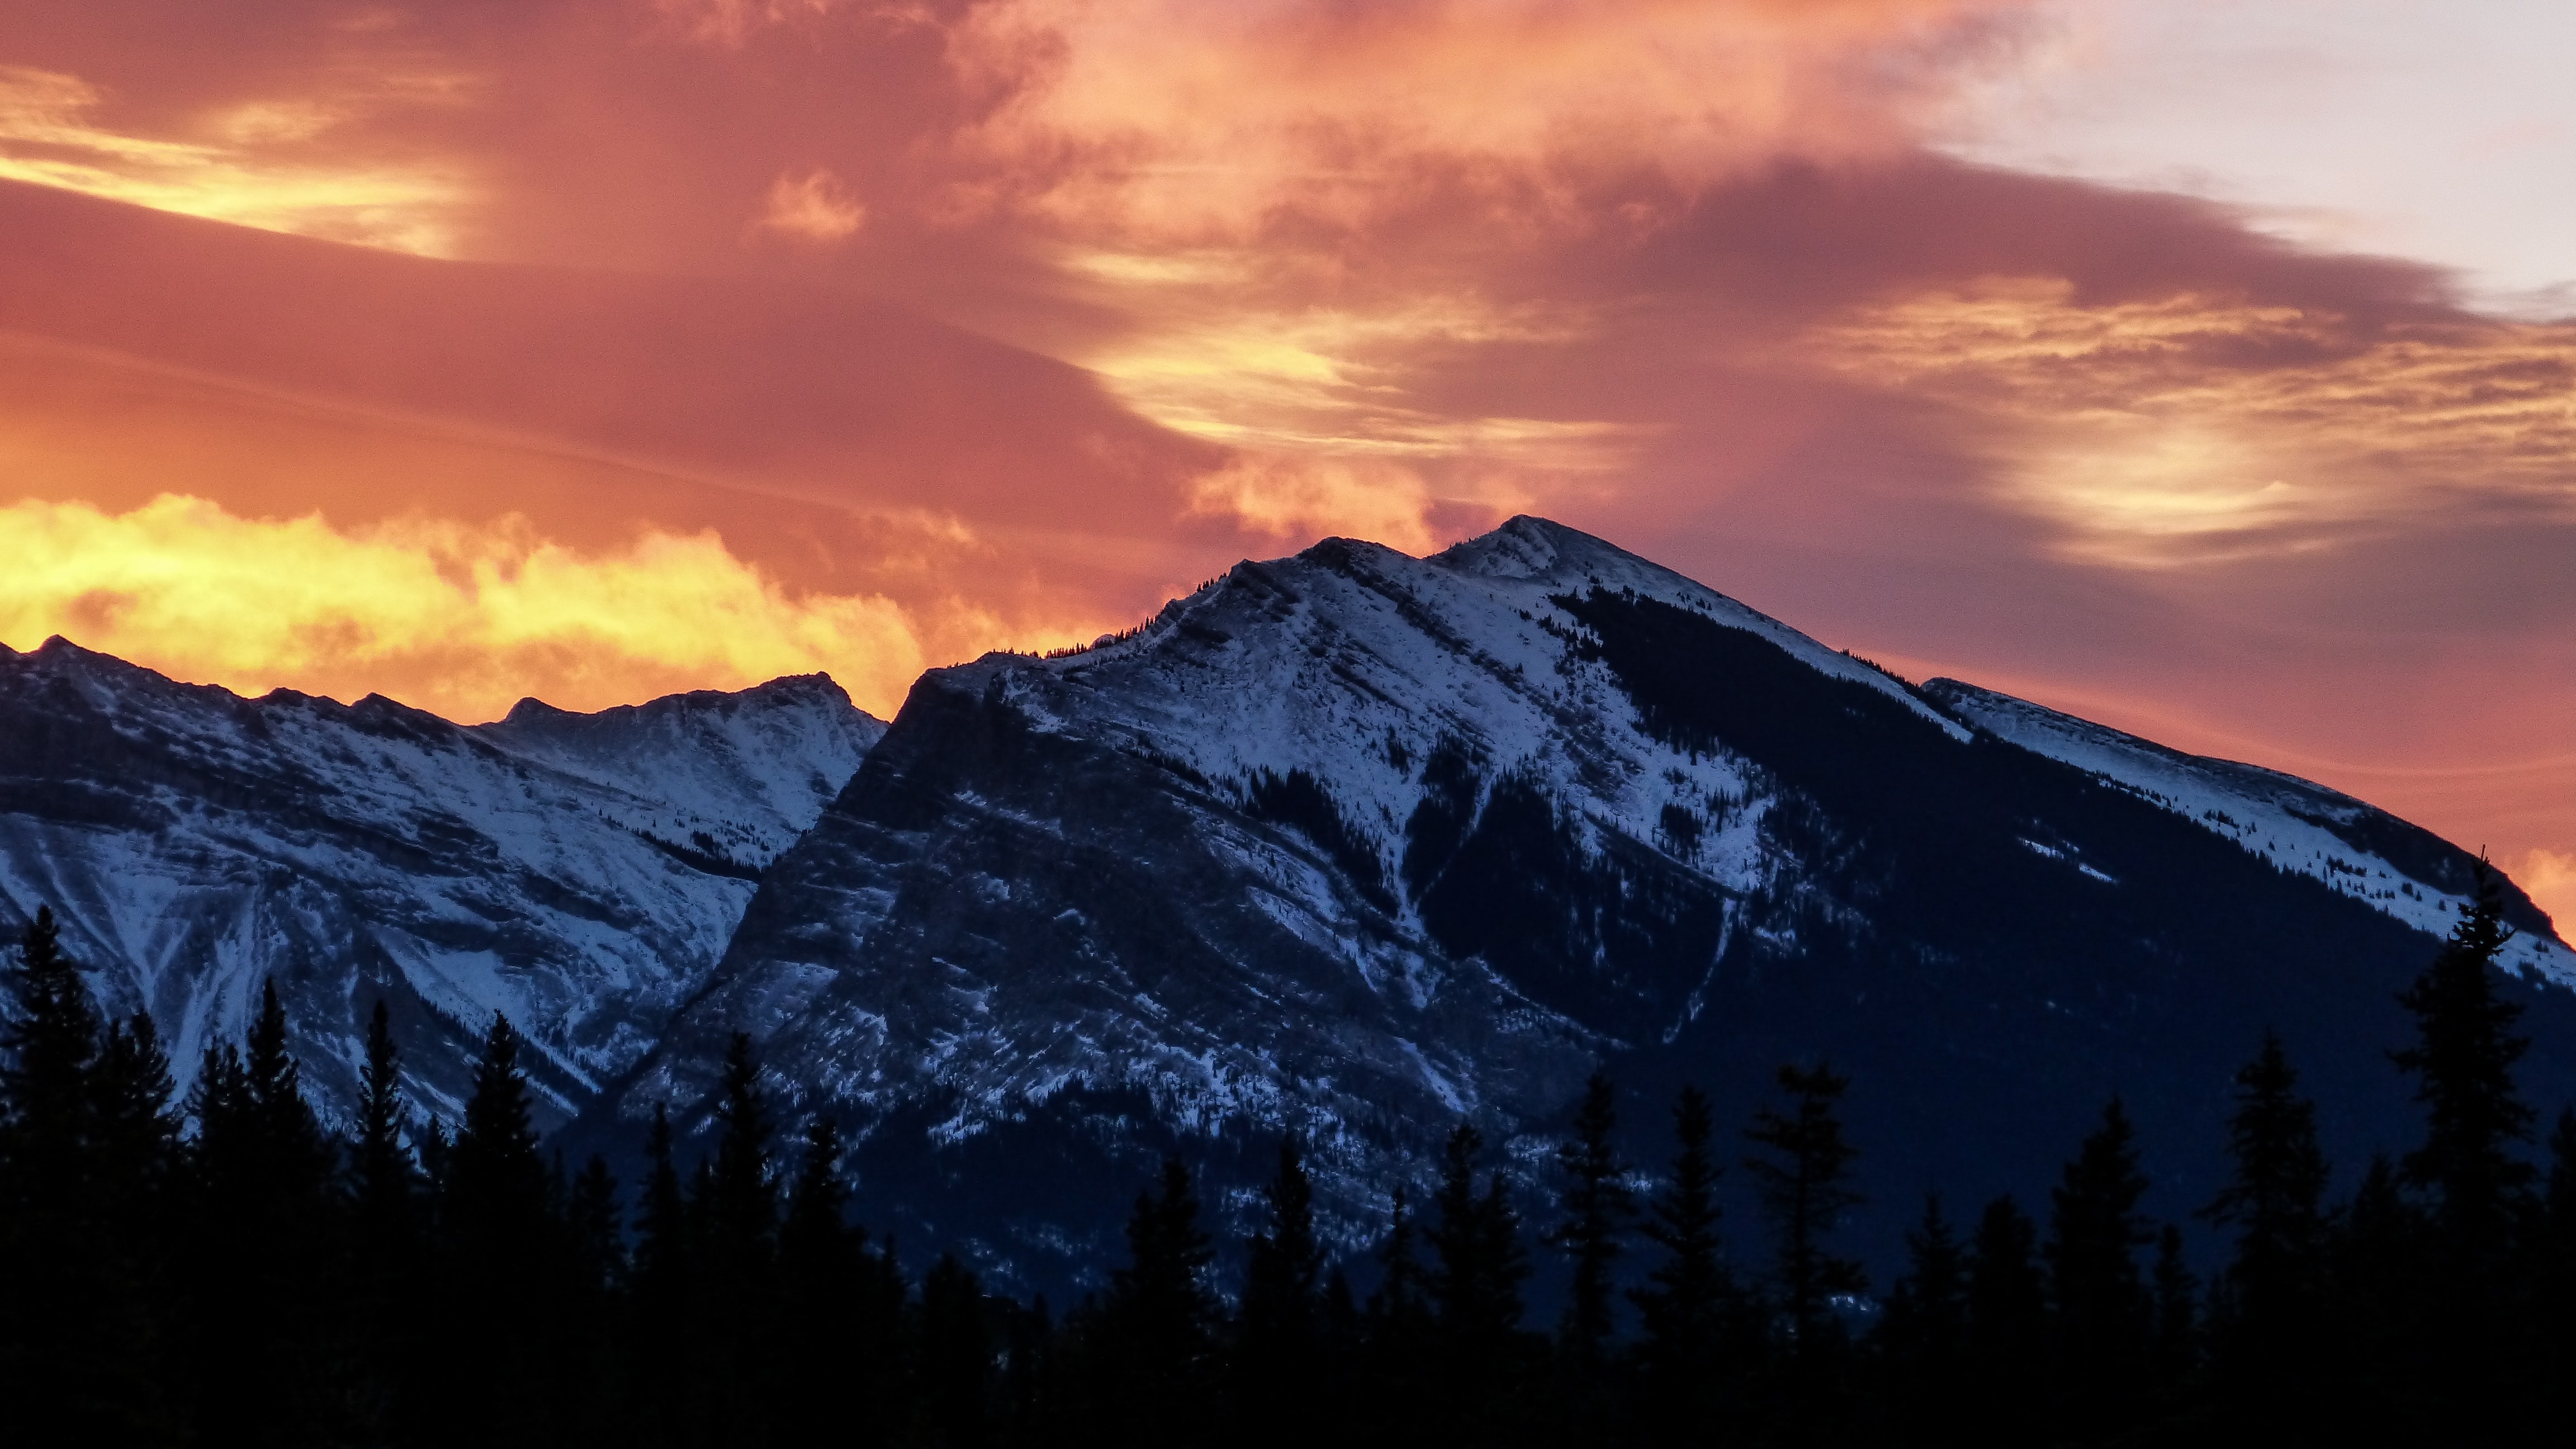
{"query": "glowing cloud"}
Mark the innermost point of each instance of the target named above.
(457, 620)
(234, 174)
(814, 207)
(2549, 877)
(2189, 428)
(1171, 118)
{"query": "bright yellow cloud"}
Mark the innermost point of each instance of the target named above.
(459, 620)
(247, 169)
(2549, 877)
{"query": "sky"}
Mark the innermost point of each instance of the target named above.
(2203, 367)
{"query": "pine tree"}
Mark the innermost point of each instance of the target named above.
(957, 1365)
(384, 1183)
(2463, 1064)
(833, 1359)
(265, 1290)
(662, 1344)
(1277, 1349)
(1160, 1316)
(2007, 1324)
(2177, 1327)
(1923, 1336)
(1596, 1208)
(505, 1259)
(1689, 1296)
(1804, 1188)
(83, 1150)
(2266, 1334)
(1396, 1335)
(1479, 1264)
(2103, 1314)
(44, 1083)
(2479, 1190)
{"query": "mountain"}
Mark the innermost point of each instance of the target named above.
(1358, 845)
(581, 873)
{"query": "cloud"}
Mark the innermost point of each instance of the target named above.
(244, 170)
(459, 620)
(814, 207)
(2189, 426)
(2549, 877)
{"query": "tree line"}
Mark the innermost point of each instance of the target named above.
(224, 1269)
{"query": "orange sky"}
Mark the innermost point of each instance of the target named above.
(599, 348)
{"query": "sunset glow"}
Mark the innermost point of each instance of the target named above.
(593, 349)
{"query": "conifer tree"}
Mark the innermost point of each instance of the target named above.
(1595, 1208)
(2103, 1314)
(1689, 1296)
(270, 1364)
(957, 1367)
(834, 1351)
(1277, 1353)
(2553, 1276)
(2478, 1188)
(2177, 1327)
(2007, 1323)
(1805, 1189)
(1479, 1264)
(384, 1184)
(2266, 1336)
(1475, 1242)
(661, 1348)
(78, 1332)
(2463, 1060)
(1923, 1335)
(1159, 1318)
(504, 1260)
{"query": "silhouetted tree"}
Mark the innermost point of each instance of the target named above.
(1596, 1207)
(1156, 1327)
(2266, 1336)
(957, 1365)
(2103, 1315)
(1278, 1356)
(2007, 1323)
(1689, 1298)
(1923, 1337)
(1804, 1187)
(83, 1150)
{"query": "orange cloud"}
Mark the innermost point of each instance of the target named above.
(2549, 876)
(2190, 427)
(250, 166)
(458, 620)
(814, 207)
(1171, 119)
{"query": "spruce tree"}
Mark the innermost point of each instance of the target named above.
(265, 1292)
(1922, 1338)
(1160, 1318)
(1479, 1264)
(1689, 1297)
(834, 1367)
(83, 1149)
(957, 1368)
(2463, 1061)
(662, 1351)
(1595, 1210)
(2266, 1336)
(1277, 1347)
(2103, 1314)
(384, 1183)
(2177, 1324)
(505, 1260)
(1804, 1186)
(2007, 1324)
(2478, 1188)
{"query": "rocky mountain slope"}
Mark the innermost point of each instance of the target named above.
(1356, 845)
(580, 872)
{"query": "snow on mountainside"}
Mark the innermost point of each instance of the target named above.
(2355, 848)
(579, 872)
(1359, 845)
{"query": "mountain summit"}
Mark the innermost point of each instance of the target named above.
(1356, 845)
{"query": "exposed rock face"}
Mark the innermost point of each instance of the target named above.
(581, 873)
(1358, 845)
